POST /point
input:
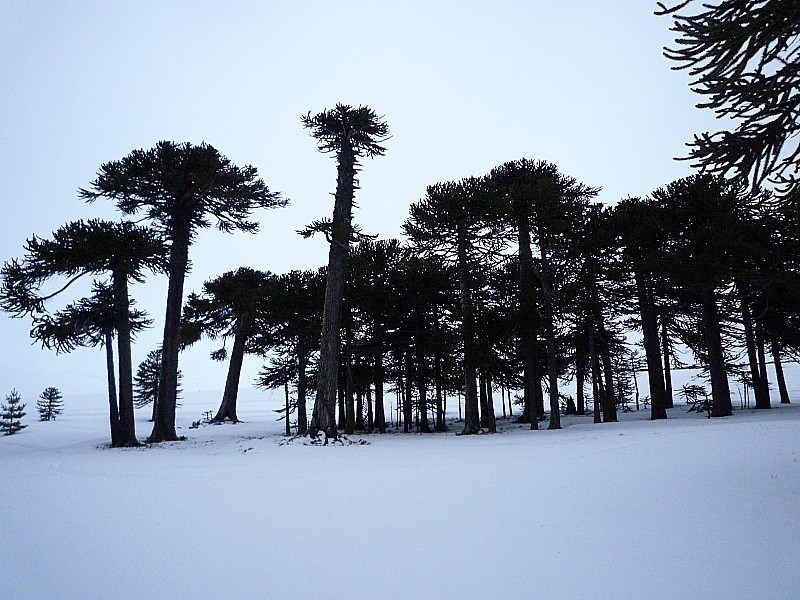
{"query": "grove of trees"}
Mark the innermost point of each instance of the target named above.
(514, 282)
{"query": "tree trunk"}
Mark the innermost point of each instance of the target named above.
(720, 391)
(380, 416)
(440, 410)
(288, 428)
(408, 408)
(580, 383)
(750, 344)
(762, 371)
(527, 323)
(472, 422)
(483, 401)
(302, 363)
(666, 351)
(491, 419)
(359, 393)
(359, 408)
(776, 357)
(550, 339)
(597, 386)
(422, 390)
(610, 398)
(167, 399)
(127, 422)
(655, 374)
(227, 408)
(349, 401)
(341, 394)
(370, 413)
(323, 418)
(113, 407)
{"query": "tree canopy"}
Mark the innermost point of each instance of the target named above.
(744, 56)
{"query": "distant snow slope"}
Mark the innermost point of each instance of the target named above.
(683, 508)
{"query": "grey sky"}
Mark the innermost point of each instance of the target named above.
(463, 85)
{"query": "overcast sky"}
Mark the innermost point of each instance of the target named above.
(464, 86)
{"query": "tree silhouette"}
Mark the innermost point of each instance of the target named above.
(88, 248)
(90, 322)
(707, 238)
(50, 404)
(228, 307)
(639, 224)
(349, 134)
(11, 414)
(542, 206)
(146, 381)
(456, 221)
(181, 188)
(744, 56)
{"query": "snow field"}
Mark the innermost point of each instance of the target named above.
(683, 508)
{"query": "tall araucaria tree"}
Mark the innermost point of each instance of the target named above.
(289, 329)
(542, 207)
(77, 249)
(349, 134)
(181, 188)
(228, 307)
(708, 237)
(639, 225)
(455, 220)
(90, 322)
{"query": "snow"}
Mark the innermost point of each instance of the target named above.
(684, 508)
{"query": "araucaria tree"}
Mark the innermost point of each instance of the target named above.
(744, 56)
(11, 414)
(455, 222)
(50, 404)
(228, 307)
(90, 322)
(349, 134)
(146, 380)
(181, 188)
(77, 249)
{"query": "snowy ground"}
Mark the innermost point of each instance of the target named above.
(687, 508)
